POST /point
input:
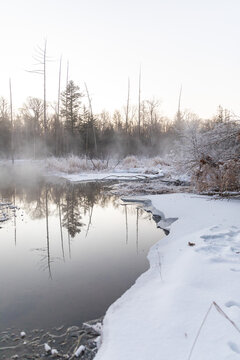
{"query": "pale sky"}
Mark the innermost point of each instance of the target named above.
(195, 43)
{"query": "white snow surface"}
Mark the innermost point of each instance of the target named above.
(159, 317)
(100, 176)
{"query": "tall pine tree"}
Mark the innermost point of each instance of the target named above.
(71, 103)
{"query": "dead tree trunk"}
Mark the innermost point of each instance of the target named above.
(11, 116)
(139, 104)
(58, 109)
(91, 119)
(127, 108)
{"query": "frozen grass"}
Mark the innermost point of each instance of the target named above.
(130, 162)
(158, 161)
(74, 164)
(71, 164)
(136, 162)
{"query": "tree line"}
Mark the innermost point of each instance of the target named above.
(71, 127)
(209, 149)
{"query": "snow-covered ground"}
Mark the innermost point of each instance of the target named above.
(187, 305)
(105, 176)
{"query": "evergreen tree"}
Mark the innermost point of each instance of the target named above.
(71, 103)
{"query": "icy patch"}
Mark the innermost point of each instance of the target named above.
(97, 328)
(79, 351)
(159, 217)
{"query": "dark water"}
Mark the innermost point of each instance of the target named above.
(67, 252)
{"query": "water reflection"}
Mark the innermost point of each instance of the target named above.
(137, 230)
(89, 245)
(68, 200)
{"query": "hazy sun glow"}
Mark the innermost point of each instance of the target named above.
(193, 43)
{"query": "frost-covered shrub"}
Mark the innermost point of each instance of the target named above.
(158, 161)
(210, 150)
(230, 175)
(220, 176)
(99, 164)
(71, 164)
(130, 162)
(74, 164)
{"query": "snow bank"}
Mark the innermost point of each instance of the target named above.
(92, 177)
(160, 316)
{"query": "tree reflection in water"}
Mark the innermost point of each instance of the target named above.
(68, 202)
(106, 239)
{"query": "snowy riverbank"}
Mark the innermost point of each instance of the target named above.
(131, 175)
(197, 264)
(195, 269)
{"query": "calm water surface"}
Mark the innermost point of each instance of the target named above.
(67, 252)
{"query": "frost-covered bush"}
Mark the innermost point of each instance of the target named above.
(230, 179)
(158, 161)
(130, 162)
(221, 176)
(71, 164)
(74, 164)
(134, 162)
(210, 150)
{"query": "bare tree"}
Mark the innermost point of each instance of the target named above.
(91, 119)
(152, 106)
(139, 103)
(33, 111)
(127, 107)
(57, 125)
(41, 59)
(11, 118)
(179, 114)
(5, 127)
